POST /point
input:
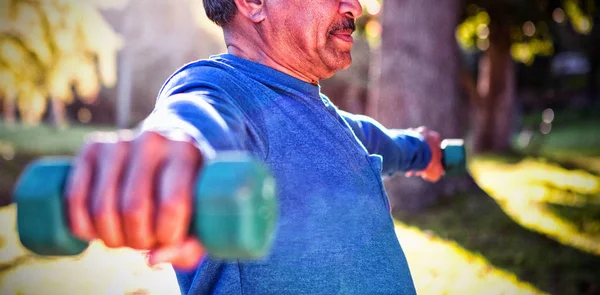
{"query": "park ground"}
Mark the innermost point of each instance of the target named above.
(533, 228)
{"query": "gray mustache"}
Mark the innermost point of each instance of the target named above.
(347, 24)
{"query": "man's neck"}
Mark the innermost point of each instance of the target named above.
(244, 48)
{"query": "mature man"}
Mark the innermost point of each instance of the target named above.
(335, 234)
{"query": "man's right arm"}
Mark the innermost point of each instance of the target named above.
(137, 191)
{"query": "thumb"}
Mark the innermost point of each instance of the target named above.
(185, 256)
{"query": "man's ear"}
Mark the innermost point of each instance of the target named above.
(254, 10)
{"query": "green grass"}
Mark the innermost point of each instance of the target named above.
(581, 138)
(46, 140)
(568, 117)
(20, 144)
(573, 142)
(586, 218)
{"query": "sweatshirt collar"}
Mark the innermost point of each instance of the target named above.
(268, 75)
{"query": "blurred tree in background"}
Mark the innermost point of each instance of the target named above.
(417, 82)
(497, 39)
(414, 66)
(503, 32)
(54, 51)
(160, 36)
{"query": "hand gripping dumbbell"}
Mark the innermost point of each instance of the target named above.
(235, 208)
(453, 157)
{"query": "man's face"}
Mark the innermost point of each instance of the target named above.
(310, 36)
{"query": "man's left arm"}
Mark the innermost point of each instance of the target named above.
(413, 151)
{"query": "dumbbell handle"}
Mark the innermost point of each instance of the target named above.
(234, 210)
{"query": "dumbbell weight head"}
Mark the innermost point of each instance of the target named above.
(453, 157)
(236, 208)
(40, 203)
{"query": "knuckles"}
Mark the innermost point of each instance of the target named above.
(149, 143)
(113, 191)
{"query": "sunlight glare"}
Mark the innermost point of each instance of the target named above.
(558, 15)
(373, 7)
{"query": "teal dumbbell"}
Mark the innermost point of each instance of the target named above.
(235, 208)
(453, 157)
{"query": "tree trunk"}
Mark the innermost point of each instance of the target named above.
(58, 113)
(10, 110)
(125, 84)
(592, 87)
(124, 88)
(418, 84)
(493, 108)
(372, 101)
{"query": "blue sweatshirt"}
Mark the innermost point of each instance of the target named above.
(335, 234)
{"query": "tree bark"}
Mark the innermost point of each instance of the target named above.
(59, 118)
(592, 88)
(493, 108)
(124, 88)
(418, 85)
(10, 110)
(372, 101)
(125, 72)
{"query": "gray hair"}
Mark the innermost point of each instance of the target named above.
(220, 11)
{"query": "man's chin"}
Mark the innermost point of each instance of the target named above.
(335, 61)
(347, 64)
(334, 68)
(343, 61)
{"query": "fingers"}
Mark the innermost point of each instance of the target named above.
(104, 209)
(185, 256)
(434, 170)
(79, 187)
(175, 193)
(138, 193)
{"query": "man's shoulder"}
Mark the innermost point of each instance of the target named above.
(209, 73)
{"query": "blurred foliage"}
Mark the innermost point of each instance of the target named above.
(369, 24)
(530, 32)
(530, 23)
(580, 19)
(528, 41)
(55, 49)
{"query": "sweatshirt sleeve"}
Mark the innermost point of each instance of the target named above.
(402, 150)
(193, 103)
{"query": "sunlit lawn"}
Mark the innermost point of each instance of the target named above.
(442, 266)
(99, 270)
(516, 227)
(533, 194)
(534, 229)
